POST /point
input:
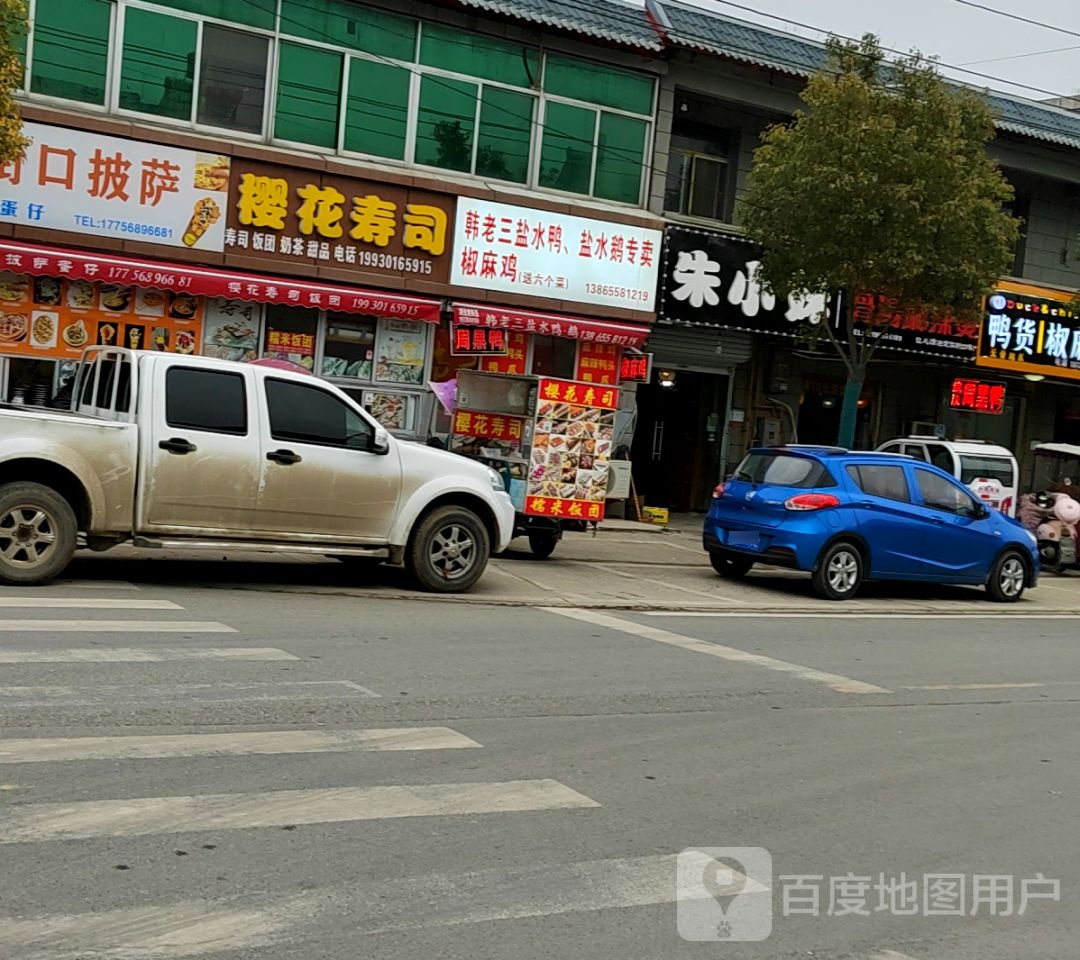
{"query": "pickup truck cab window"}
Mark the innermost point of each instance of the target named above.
(308, 414)
(208, 400)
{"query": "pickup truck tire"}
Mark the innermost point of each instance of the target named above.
(448, 551)
(37, 533)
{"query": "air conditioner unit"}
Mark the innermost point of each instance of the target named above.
(923, 428)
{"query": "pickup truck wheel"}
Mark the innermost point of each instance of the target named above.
(448, 550)
(37, 533)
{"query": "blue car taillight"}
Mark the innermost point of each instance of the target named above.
(811, 501)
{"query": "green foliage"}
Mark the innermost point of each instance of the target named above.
(13, 25)
(882, 184)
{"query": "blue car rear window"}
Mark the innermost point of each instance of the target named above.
(784, 470)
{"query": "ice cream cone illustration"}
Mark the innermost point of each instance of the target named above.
(206, 213)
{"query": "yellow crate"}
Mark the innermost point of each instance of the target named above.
(658, 515)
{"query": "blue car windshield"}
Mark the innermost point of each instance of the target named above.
(784, 470)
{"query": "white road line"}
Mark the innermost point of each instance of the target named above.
(835, 681)
(188, 929)
(114, 626)
(179, 694)
(143, 654)
(44, 750)
(854, 615)
(624, 574)
(87, 603)
(194, 928)
(976, 686)
(140, 816)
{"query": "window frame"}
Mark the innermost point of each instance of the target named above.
(317, 384)
(181, 366)
(725, 199)
(953, 484)
(417, 72)
(856, 478)
(115, 68)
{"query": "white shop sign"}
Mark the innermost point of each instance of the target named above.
(537, 253)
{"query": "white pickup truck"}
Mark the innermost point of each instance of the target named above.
(162, 450)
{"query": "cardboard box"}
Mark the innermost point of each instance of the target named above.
(657, 515)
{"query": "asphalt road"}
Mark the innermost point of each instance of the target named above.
(192, 772)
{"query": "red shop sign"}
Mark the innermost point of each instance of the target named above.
(551, 324)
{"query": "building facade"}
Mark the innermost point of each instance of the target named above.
(358, 186)
(381, 194)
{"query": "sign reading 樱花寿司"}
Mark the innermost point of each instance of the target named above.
(1032, 330)
(538, 253)
(89, 183)
(286, 217)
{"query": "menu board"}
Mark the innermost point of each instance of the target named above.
(400, 351)
(395, 411)
(231, 329)
(571, 447)
(49, 317)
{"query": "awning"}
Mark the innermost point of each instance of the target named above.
(551, 324)
(204, 282)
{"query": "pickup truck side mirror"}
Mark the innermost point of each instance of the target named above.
(380, 442)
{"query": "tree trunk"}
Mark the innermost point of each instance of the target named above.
(850, 410)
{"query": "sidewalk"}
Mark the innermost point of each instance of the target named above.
(623, 565)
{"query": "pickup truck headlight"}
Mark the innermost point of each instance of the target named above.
(496, 481)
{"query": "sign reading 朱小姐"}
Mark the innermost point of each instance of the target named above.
(466, 341)
(104, 186)
(571, 446)
(1030, 330)
(978, 396)
(538, 253)
(286, 216)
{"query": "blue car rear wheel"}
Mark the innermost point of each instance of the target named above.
(839, 572)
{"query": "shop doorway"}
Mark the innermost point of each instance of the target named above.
(677, 440)
(819, 416)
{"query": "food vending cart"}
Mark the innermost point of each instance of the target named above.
(550, 439)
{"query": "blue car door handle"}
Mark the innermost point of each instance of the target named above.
(938, 520)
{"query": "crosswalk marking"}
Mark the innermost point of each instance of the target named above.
(43, 750)
(141, 816)
(187, 929)
(114, 626)
(184, 694)
(86, 603)
(142, 654)
(192, 928)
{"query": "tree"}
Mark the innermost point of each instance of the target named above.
(881, 186)
(12, 42)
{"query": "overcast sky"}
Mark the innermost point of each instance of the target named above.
(955, 33)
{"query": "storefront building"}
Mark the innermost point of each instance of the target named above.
(158, 241)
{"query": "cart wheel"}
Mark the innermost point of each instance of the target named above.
(542, 544)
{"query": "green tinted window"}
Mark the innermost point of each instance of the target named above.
(71, 50)
(502, 144)
(620, 158)
(255, 13)
(476, 56)
(581, 80)
(347, 25)
(377, 111)
(566, 156)
(309, 87)
(158, 64)
(444, 130)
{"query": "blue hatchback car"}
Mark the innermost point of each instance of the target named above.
(846, 517)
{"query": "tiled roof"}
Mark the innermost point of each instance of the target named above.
(706, 30)
(609, 20)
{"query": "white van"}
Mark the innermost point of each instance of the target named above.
(989, 470)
